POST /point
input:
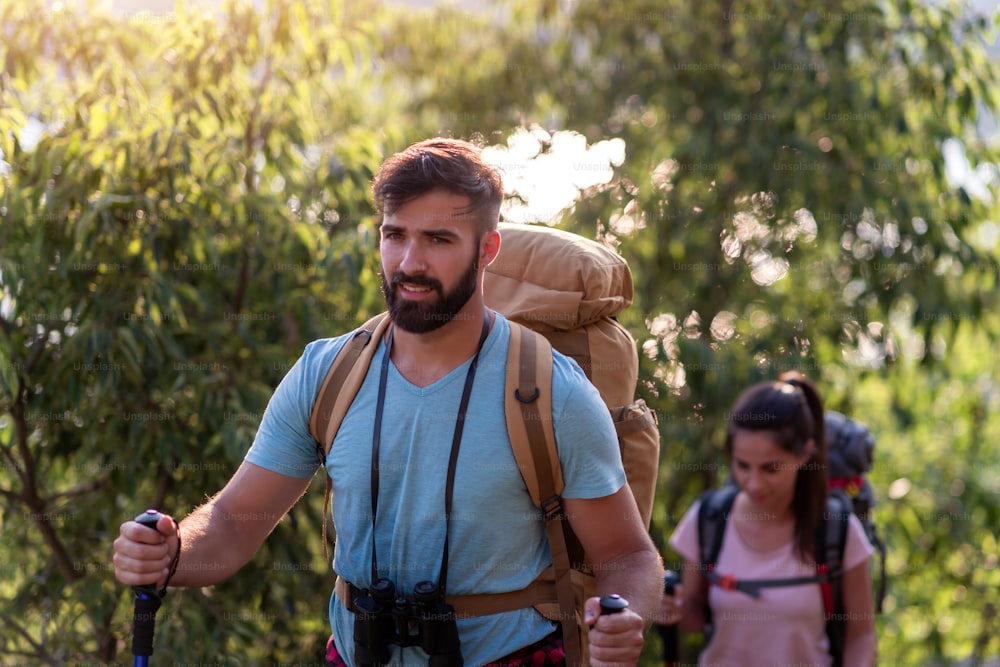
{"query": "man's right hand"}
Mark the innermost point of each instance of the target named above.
(142, 555)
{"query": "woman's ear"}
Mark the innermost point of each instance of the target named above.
(809, 450)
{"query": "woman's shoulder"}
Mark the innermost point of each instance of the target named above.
(857, 548)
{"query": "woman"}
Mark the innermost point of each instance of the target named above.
(777, 452)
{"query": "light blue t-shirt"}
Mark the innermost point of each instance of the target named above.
(497, 538)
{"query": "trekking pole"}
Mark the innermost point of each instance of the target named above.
(147, 602)
(669, 632)
(613, 604)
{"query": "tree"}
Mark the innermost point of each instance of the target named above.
(192, 211)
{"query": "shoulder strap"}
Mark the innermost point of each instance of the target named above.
(528, 410)
(713, 513)
(832, 538)
(830, 544)
(341, 385)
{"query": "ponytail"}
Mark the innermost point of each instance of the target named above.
(809, 502)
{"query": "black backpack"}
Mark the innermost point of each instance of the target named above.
(849, 454)
(850, 450)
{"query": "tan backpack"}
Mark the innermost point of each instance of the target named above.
(564, 290)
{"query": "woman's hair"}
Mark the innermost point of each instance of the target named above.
(792, 409)
(452, 165)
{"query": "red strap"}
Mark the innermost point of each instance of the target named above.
(826, 587)
(727, 583)
(852, 485)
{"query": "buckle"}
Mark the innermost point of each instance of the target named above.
(353, 593)
(728, 583)
(552, 508)
(321, 454)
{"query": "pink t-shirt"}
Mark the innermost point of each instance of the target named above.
(785, 626)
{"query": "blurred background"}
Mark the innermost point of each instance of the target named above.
(184, 204)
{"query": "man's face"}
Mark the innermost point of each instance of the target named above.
(430, 261)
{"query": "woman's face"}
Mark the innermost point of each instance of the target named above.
(765, 471)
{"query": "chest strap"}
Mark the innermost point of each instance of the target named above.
(752, 587)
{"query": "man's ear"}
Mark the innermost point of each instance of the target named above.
(489, 247)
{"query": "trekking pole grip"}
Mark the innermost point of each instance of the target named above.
(147, 602)
(669, 632)
(613, 604)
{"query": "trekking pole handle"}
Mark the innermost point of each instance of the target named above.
(670, 581)
(147, 602)
(669, 632)
(613, 604)
(149, 519)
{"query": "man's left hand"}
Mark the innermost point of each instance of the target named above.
(614, 639)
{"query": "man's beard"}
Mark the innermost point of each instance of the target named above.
(420, 317)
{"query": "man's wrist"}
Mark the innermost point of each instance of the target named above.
(177, 559)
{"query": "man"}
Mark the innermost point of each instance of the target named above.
(443, 358)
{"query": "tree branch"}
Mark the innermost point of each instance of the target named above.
(8, 454)
(29, 496)
(18, 411)
(36, 350)
(39, 648)
(41, 517)
(78, 491)
(162, 488)
(106, 640)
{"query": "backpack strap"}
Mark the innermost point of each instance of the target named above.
(713, 513)
(879, 545)
(528, 410)
(753, 587)
(830, 544)
(341, 385)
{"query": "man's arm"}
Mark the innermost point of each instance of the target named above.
(218, 538)
(625, 562)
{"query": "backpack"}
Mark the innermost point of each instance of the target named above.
(849, 456)
(568, 304)
(850, 450)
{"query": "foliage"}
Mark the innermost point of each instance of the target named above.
(193, 212)
(184, 204)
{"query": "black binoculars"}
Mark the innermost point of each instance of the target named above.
(383, 618)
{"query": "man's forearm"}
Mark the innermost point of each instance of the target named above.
(637, 577)
(215, 544)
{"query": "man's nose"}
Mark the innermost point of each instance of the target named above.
(413, 260)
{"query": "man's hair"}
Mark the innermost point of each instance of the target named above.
(452, 165)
